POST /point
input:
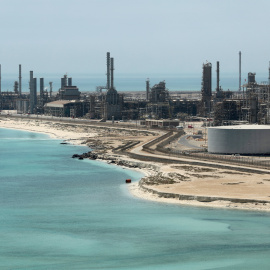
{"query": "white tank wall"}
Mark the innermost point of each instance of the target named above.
(239, 140)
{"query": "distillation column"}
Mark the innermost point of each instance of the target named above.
(217, 89)
(239, 71)
(51, 87)
(112, 68)
(147, 89)
(20, 80)
(41, 85)
(108, 70)
(0, 81)
(33, 92)
(269, 74)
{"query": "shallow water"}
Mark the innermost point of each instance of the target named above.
(61, 213)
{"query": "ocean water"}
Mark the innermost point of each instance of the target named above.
(129, 82)
(61, 213)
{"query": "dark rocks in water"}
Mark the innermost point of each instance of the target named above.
(89, 155)
(94, 156)
(63, 143)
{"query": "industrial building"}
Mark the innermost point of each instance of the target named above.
(22, 105)
(66, 108)
(160, 123)
(158, 101)
(250, 103)
(111, 103)
(239, 139)
(67, 90)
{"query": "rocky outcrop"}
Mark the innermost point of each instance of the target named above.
(88, 155)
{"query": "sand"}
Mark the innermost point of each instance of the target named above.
(202, 185)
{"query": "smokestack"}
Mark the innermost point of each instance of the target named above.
(112, 68)
(31, 76)
(108, 70)
(268, 75)
(51, 89)
(240, 71)
(147, 89)
(217, 76)
(41, 88)
(0, 80)
(20, 80)
(69, 81)
(32, 86)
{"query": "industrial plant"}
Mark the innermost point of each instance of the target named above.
(248, 105)
(104, 104)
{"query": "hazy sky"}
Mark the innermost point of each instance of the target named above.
(143, 36)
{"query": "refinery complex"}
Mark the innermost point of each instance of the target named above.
(250, 104)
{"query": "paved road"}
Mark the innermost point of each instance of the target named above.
(187, 143)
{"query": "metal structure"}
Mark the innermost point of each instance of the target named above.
(239, 71)
(112, 69)
(64, 81)
(158, 93)
(217, 89)
(100, 88)
(251, 78)
(33, 93)
(109, 104)
(256, 99)
(51, 88)
(20, 80)
(239, 139)
(41, 89)
(68, 91)
(108, 70)
(0, 80)
(269, 74)
(16, 87)
(206, 88)
(147, 89)
(70, 81)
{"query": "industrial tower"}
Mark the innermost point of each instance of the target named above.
(206, 89)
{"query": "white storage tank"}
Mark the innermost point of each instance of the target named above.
(242, 139)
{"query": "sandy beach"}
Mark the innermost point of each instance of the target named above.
(183, 183)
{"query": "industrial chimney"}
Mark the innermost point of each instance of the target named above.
(0, 80)
(51, 87)
(108, 70)
(20, 80)
(147, 89)
(112, 68)
(217, 89)
(239, 71)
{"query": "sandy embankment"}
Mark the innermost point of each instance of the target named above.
(163, 180)
(207, 187)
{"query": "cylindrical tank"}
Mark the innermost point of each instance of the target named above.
(69, 81)
(242, 139)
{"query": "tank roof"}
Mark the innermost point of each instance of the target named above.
(243, 127)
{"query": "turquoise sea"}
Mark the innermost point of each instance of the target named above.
(61, 213)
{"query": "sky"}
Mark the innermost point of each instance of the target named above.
(143, 36)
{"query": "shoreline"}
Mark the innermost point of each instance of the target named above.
(164, 183)
(146, 194)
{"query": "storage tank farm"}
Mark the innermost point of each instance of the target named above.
(239, 139)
